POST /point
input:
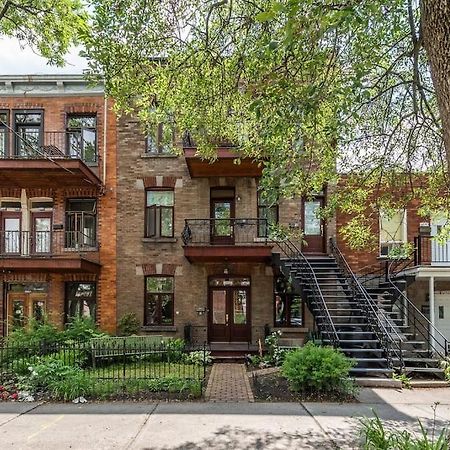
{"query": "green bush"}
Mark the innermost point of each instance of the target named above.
(81, 329)
(275, 355)
(198, 358)
(128, 324)
(317, 369)
(36, 335)
(175, 349)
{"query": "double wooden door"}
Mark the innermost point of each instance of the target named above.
(23, 306)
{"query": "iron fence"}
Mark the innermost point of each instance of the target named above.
(107, 365)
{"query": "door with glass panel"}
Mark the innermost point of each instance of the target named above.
(23, 306)
(10, 233)
(222, 215)
(229, 310)
(314, 233)
(28, 134)
(42, 233)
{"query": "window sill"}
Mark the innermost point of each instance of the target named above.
(291, 329)
(160, 240)
(170, 328)
(157, 155)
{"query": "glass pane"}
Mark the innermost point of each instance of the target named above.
(152, 143)
(89, 230)
(392, 227)
(81, 300)
(12, 235)
(39, 310)
(280, 310)
(166, 222)
(18, 313)
(75, 144)
(27, 139)
(82, 121)
(3, 138)
(312, 222)
(166, 133)
(222, 212)
(296, 311)
(28, 118)
(42, 234)
(150, 221)
(240, 306)
(89, 145)
(166, 309)
(81, 205)
(229, 282)
(160, 198)
(151, 312)
(159, 284)
(3, 118)
(219, 302)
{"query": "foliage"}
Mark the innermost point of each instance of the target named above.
(405, 380)
(198, 358)
(50, 27)
(377, 437)
(175, 348)
(275, 355)
(35, 335)
(445, 365)
(316, 368)
(81, 329)
(128, 324)
(317, 92)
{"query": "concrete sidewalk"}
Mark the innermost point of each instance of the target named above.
(213, 425)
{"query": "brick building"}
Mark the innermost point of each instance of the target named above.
(57, 201)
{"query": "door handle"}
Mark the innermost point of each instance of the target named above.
(226, 319)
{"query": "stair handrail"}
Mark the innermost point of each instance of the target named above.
(422, 316)
(390, 346)
(293, 252)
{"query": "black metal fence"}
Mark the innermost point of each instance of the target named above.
(105, 366)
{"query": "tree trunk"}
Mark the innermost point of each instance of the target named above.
(435, 33)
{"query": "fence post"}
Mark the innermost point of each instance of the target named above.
(124, 368)
(204, 363)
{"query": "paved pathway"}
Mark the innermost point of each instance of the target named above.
(228, 383)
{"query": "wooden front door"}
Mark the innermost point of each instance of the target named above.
(229, 314)
(314, 232)
(24, 306)
(222, 215)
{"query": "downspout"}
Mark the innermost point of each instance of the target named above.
(105, 123)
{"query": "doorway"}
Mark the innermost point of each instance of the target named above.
(23, 306)
(229, 318)
(314, 228)
(222, 215)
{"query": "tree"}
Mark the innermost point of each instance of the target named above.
(48, 26)
(313, 89)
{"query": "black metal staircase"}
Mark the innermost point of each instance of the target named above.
(364, 317)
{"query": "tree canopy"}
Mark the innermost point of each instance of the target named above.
(313, 89)
(49, 27)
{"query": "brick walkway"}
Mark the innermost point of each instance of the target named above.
(229, 383)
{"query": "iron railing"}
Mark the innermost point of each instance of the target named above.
(225, 231)
(428, 250)
(386, 275)
(308, 276)
(51, 145)
(381, 325)
(109, 365)
(44, 244)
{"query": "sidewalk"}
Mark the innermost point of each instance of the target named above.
(221, 426)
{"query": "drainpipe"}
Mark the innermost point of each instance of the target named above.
(432, 315)
(105, 123)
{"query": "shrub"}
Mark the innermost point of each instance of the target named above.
(275, 355)
(175, 348)
(198, 358)
(82, 329)
(36, 335)
(128, 324)
(320, 369)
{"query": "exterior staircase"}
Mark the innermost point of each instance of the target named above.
(363, 321)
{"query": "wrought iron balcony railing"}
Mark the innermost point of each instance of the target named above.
(225, 232)
(50, 144)
(45, 244)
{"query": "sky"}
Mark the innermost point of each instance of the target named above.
(15, 60)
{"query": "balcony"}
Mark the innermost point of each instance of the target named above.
(224, 166)
(430, 252)
(57, 161)
(231, 240)
(48, 251)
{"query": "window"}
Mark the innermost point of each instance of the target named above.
(82, 137)
(160, 139)
(393, 231)
(81, 300)
(268, 212)
(288, 307)
(81, 223)
(28, 133)
(159, 213)
(4, 134)
(158, 301)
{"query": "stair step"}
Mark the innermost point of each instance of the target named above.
(383, 370)
(356, 341)
(424, 369)
(360, 350)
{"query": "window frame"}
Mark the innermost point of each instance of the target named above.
(158, 215)
(70, 130)
(392, 243)
(261, 205)
(15, 112)
(159, 322)
(83, 214)
(6, 127)
(159, 141)
(66, 298)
